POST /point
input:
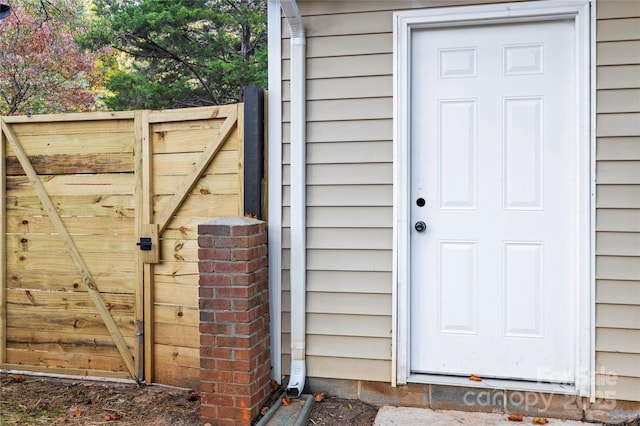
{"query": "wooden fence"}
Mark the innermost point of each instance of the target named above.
(83, 196)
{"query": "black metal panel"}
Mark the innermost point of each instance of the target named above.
(253, 150)
(4, 11)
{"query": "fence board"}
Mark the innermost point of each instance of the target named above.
(108, 282)
(60, 261)
(174, 335)
(96, 185)
(111, 225)
(193, 141)
(65, 323)
(207, 185)
(178, 294)
(178, 164)
(100, 142)
(177, 364)
(108, 177)
(73, 164)
(86, 243)
(46, 341)
(65, 360)
(112, 206)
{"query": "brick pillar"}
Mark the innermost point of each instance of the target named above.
(234, 320)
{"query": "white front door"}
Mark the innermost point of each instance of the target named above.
(494, 180)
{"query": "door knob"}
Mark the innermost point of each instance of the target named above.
(421, 226)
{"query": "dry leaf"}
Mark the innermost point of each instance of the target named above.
(540, 420)
(515, 417)
(350, 406)
(112, 416)
(274, 386)
(264, 411)
(78, 413)
(286, 401)
(319, 396)
(18, 378)
(475, 378)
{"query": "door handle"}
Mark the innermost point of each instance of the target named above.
(420, 226)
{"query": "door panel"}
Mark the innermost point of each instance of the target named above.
(493, 155)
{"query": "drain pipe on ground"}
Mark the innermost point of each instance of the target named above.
(298, 267)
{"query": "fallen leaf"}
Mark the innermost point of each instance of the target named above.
(319, 396)
(264, 411)
(515, 417)
(92, 401)
(540, 420)
(274, 386)
(18, 378)
(286, 401)
(350, 406)
(475, 378)
(78, 413)
(112, 416)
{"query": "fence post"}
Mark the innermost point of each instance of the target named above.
(253, 150)
(234, 320)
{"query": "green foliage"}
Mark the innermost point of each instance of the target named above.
(181, 53)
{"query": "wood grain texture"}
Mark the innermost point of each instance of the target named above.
(81, 189)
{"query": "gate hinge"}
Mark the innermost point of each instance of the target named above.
(140, 335)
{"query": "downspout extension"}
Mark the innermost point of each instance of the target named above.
(298, 198)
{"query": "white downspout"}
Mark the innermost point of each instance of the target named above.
(298, 267)
(275, 186)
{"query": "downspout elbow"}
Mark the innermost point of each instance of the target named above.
(297, 377)
(294, 18)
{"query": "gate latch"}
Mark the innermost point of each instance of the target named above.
(144, 243)
(149, 245)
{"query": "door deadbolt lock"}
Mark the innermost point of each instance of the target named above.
(421, 226)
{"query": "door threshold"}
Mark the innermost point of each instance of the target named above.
(494, 384)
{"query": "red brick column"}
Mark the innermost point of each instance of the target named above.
(234, 320)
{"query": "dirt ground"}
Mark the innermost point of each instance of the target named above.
(34, 400)
(336, 411)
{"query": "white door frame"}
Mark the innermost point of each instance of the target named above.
(538, 11)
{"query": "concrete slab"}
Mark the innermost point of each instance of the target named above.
(403, 416)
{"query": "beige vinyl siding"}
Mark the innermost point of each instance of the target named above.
(350, 189)
(349, 186)
(618, 200)
(618, 148)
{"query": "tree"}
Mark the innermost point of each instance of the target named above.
(183, 52)
(42, 69)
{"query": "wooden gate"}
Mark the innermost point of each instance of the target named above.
(84, 196)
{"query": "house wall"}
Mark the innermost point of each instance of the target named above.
(618, 199)
(350, 189)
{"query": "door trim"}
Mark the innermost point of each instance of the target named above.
(539, 11)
